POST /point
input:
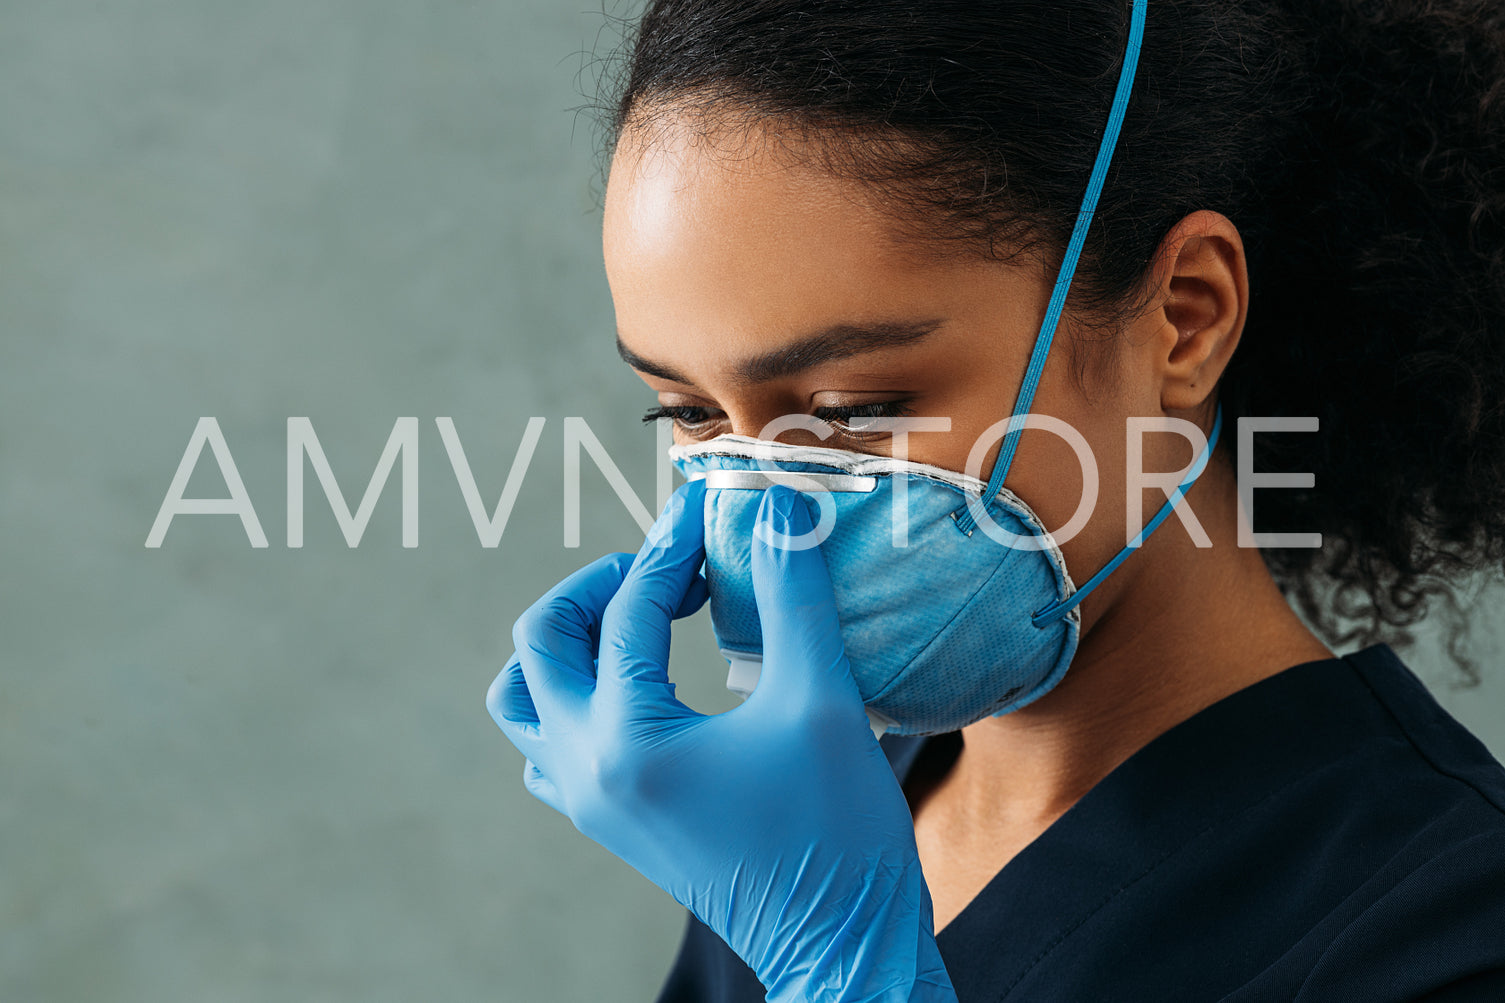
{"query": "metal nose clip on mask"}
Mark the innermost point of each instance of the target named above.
(954, 625)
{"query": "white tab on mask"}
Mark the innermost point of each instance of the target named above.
(743, 670)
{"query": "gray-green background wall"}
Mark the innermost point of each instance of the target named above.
(233, 773)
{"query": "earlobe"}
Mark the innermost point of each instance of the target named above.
(1204, 287)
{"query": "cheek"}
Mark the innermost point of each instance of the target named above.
(974, 394)
(1052, 472)
(1058, 482)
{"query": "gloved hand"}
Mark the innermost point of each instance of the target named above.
(779, 823)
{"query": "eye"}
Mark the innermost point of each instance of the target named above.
(688, 418)
(850, 420)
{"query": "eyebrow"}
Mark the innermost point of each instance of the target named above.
(840, 341)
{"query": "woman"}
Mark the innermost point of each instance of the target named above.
(856, 212)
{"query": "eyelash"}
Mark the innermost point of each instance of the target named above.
(689, 417)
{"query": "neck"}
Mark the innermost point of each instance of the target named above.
(1184, 628)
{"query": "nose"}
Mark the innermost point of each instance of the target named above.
(782, 424)
(768, 413)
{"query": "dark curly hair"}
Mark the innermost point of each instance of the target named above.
(1358, 146)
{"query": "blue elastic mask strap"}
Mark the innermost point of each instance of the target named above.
(1026, 397)
(1061, 607)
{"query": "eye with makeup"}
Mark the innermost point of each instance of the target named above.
(847, 420)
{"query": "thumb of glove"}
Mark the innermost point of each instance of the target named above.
(804, 660)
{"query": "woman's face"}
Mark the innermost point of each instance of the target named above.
(748, 288)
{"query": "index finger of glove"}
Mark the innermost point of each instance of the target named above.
(635, 628)
(558, 637)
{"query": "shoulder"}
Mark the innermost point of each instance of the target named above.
(1447, 746)
(1431, 918)
(1437, 921)
(1355, 832)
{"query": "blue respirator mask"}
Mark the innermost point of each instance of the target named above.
(954, 600)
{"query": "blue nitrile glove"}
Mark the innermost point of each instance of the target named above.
(779, 823)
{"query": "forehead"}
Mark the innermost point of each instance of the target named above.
(679, 182)
(739, 232)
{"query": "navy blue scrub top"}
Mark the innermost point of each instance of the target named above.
(1329, 833)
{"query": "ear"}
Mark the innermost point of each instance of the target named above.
(1202, 288)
